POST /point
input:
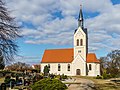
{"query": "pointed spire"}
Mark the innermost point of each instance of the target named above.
(80, 19)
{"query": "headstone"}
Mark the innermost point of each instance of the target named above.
(24, 82)
(11, 84)
(3, 86)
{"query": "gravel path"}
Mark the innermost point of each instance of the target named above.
(80, 84)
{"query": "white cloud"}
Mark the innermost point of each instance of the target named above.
(48, 28)
(103, 27)
(97, 5)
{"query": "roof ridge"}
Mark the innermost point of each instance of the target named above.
(91, 53)
(59, 49)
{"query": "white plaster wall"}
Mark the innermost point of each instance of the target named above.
(95, 69)
(79, 63)
(54, 68)
(80, 35)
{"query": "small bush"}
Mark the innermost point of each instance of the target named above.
(104, 76)
(1, 75)
(13, 74)
(57, 77)
(99, 77)
(7, 79)
(52, 76)
(49, 84)
(113, 75)
(107, 76)
(64, 76)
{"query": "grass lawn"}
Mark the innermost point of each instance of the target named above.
(102, 84)
(2, 80)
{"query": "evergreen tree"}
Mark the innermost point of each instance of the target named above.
(46, 70)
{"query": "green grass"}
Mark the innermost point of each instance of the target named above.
(2, 80)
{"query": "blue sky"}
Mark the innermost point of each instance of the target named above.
(49, 24)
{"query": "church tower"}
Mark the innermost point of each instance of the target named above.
(80, 38)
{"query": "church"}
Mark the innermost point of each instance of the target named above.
(73, 61)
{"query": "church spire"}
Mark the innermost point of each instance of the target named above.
(80, 19)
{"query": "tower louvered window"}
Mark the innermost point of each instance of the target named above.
(77, 42)
(81, 42)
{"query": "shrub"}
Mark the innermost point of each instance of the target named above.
(57, 77)
(99, 77)
(49, 84)
(64, 76)
(5, 72)
(107, 76)
(7, 79)
(52, 76)
(19, 74)
(1, 75)
(104, 76)
(13, 74)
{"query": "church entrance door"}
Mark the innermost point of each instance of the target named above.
(78, 72)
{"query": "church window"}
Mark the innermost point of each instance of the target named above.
(81, 42)
(59, 67)
(68, 67)
(49, 66)
(77, 42)
(90, 67)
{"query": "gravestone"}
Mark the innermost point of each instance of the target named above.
(3, 86)
(24, 82)
(11, 84)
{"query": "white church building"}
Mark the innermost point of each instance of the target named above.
(73, 61)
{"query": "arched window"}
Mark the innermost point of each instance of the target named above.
(90, 67)
(81, 42)
(68, 67)
(59, 67)
(49, 66)
(77, 42)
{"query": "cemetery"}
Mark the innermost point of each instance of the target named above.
(18, 80)
(27, 80)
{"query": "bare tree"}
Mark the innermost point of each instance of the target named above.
(114, 57)
(111, 63)
(103, 64)
(19, 66)
(8, 33)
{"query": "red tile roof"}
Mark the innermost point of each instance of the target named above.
(58, 56)
(64, 56)
(91, 57)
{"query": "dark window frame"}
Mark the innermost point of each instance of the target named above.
(81, 42)
(77, 42)
(59, 67)
(68, 67)
(90, 67)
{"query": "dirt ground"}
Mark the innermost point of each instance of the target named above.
(80, 84)
(89, 83)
